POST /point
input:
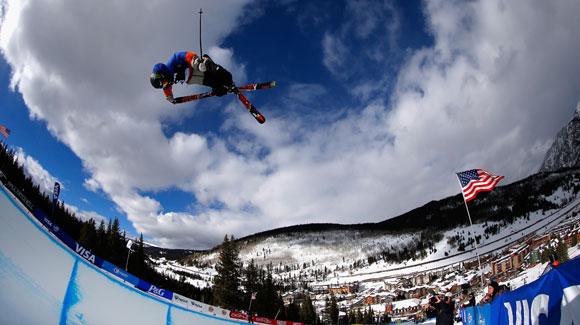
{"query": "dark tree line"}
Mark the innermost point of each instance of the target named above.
(105, 240)
(234, 285)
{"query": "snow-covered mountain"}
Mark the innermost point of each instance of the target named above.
(565, 151)
(428, 248)
(430, 238)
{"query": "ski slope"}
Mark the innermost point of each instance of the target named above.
(43, 281)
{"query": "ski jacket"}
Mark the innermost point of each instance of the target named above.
(176, 66)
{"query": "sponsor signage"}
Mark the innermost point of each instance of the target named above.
(238, 315)
(263, 320)
(120, 273)
(552, 299)
(55, 192)
(180, 300)
(148, 287)
(66, 239)
(196, 305)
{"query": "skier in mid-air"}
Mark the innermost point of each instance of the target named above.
(202, 71)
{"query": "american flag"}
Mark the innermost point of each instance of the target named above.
(477, 180)
(4, 131)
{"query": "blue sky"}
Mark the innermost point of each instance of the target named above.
(378, 104)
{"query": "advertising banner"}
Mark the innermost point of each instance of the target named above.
(197, 306)
(238, 315)
(263, 320)
(120, 273)
(55, 193)
(181, 300)
(66, 239)
(478, 315)
(148, 287)
(552, 299)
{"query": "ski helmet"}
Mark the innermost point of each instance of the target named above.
(160, 75)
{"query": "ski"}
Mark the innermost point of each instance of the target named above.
(184, 99)
(248, 87)
(260, 85)
(251, 108)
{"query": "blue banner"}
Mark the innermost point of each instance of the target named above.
(120, 273)
(552, 299)
(55, 192)
(478, 315)
(66, 239)
(148, 287)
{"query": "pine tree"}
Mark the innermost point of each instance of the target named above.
(116, 245)
(251, 281)
(226, 283)
(137, 264)
(307, 312)
(101, 248)
(562, 251)
(359, 316)
(368, 316)
(88, 235)
(332, 309)
(293, 312)
(281, 311)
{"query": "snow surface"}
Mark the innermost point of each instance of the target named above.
(44, 282)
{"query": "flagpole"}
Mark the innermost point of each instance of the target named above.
(471, 227)
(252, 297)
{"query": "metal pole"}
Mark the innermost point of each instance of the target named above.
(127, 263)
(200, 48)
(250, 310)
(471, 227)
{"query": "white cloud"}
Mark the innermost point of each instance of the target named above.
(33, 169)
(491, 92)
(86, 215)
(45, 181)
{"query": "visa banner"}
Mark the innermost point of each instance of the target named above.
(66, 239)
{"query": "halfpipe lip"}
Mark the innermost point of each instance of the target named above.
(41, 228)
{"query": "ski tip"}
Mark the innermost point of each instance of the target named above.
(273, 83)
(261, 119)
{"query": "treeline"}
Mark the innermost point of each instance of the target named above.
(106, 240)
(234, 286)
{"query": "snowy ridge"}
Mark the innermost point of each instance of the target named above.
(371, 265)
(565, 151)
(338, 250)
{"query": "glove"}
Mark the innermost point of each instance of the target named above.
(171, 99)
(202, 67)
(220, 91)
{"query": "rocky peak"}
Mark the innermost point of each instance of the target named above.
(565, 151)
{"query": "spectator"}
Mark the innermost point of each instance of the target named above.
(492, 290)
(446, 310)
(471, 299)
(432, 307)
(502, 288)
(467, 299)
